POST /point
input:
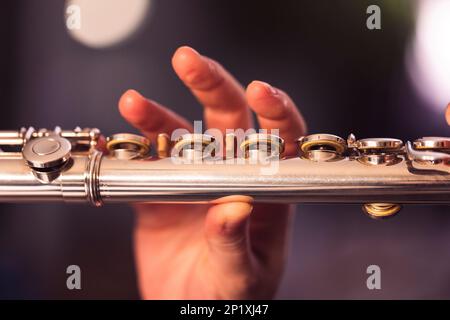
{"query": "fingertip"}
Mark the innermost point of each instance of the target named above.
(260, 90)
(228, 219)
(227, 236)
(196, 71)
(134, 107)
(129, 100)
(184, 59)
(185, 52)
(267, 101)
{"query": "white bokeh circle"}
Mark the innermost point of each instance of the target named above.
(105, 23)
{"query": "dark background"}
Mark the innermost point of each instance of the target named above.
(344, 77)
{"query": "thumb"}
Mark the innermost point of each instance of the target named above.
(227, 235)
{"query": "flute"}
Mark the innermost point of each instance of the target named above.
(381, 174)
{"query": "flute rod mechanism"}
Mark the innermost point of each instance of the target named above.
(380, 173)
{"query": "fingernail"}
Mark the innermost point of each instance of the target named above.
(195, 51)
(189, 49)
(134, 93)
(129, 98)
(269, 89)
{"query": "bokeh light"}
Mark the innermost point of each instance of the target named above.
(105, 23)
(429, 57)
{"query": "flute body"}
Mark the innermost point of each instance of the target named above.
(381, 174)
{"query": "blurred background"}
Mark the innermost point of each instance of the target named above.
(345, 78)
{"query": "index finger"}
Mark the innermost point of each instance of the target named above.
(148, 116)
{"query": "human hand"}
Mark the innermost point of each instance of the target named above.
(229, 250)
(447, 114)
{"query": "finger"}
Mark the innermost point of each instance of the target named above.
(148, 116)
(275, 110)
(447, 114)
(271, 229)
(226, 231)
(221, 95)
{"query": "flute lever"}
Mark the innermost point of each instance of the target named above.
(426, 156)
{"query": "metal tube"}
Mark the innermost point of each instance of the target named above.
(296, 180)
(378, 177)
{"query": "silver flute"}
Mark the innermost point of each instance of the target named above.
(81, 166)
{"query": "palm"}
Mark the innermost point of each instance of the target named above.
(188, 272)
(223, 250)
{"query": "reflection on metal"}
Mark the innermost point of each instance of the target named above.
(432, 143)
(322, 147)
(424, 156)
(260, 146)
(65, 165)
(194, 147)
(163, 145)
(379, 151)
(381, 210)
(128, 146)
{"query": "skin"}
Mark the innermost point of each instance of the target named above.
(447, 114)
(229, 249)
